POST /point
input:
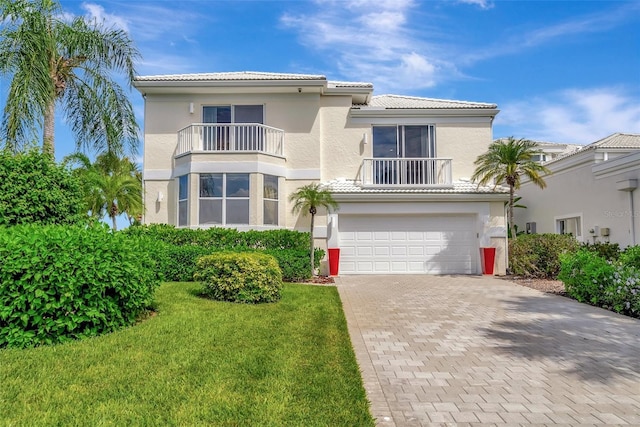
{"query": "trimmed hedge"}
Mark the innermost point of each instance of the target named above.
(223, 239)
(34, 189)
(181, 247)
(249, 277)
(538, 255)
(59, 283)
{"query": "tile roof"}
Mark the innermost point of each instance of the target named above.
(617, 140)
(458, 187)
(334, 84)
(629, 141)
(412, 102)
(239, 75)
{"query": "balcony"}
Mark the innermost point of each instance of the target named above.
(406, 172)
(230, 138)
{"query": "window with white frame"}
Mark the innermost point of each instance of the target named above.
(270, 200)
(404, 154)
(570, 225)
(224, 199)
(183, 200)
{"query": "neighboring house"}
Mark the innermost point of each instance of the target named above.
(590, 194)
(227, 149)
(551, 150)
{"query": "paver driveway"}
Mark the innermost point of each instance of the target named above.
(471, 350)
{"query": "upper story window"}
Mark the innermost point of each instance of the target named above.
(226, 135)
(417, 141)
(270, 196)
(183, 200)
(224, 198)
(233, 114)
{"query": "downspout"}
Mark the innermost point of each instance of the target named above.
(629, 185)
(632, 217)
(506, 246)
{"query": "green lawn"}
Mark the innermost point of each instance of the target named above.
(197, 362)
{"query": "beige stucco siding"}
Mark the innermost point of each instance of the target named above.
(578, 192)
(463, 142)
(343, 146)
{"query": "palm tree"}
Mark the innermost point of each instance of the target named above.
(111, 185)
(52, 62)
(505, 162)
(308, 199)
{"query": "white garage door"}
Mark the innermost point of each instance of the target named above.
(376, 244)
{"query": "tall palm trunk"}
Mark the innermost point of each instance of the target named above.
(511, 225)
(48, 143)
(313, 215)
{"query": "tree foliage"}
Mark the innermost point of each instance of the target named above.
(54, 62)
(506, 162)
(111, 186)
(36, 190)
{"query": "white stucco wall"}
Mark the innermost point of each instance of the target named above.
(588, 190)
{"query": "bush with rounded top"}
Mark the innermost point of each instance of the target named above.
(538, 255)
(59, 283)
(246, 277)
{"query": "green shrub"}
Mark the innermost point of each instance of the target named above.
(538, 255)
(586, 275)
(224, 239)
(181, 248)
(622, 292)
(608, 251)
(631, 256)
(34, 189)
(249, 277)
(179, 262)
(59, 283)
(294, 264)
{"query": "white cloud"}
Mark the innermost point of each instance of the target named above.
(95, 12)
(482, 4)
(577, 116)
(582, 24)
(373, 41)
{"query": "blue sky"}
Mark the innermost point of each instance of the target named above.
(562, 71)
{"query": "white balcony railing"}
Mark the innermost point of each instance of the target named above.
(406, 172)
(231, 137)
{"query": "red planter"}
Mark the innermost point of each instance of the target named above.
(334, 261)
(487, 259)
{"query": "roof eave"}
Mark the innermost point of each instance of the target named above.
(417, 112)
(432, 197)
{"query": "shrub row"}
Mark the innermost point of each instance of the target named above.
(538, 255)
(223, 239)
(61, 282)
(179, 248)
(589, 277)
(249, 277)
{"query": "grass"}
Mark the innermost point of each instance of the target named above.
(197, 362)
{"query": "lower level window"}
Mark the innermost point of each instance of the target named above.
(183, 200)
(569, 226)
(224, 198)
(270, 195)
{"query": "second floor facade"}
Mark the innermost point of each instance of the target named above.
(208, 134)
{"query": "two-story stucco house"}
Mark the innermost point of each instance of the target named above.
(227, 149)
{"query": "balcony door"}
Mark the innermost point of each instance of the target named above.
(412, 147)
(237, 137)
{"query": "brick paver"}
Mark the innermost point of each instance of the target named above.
(476, 351)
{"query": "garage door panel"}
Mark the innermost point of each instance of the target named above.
(407, 244)
(381, 235)
(382, 251)
(416, 251)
